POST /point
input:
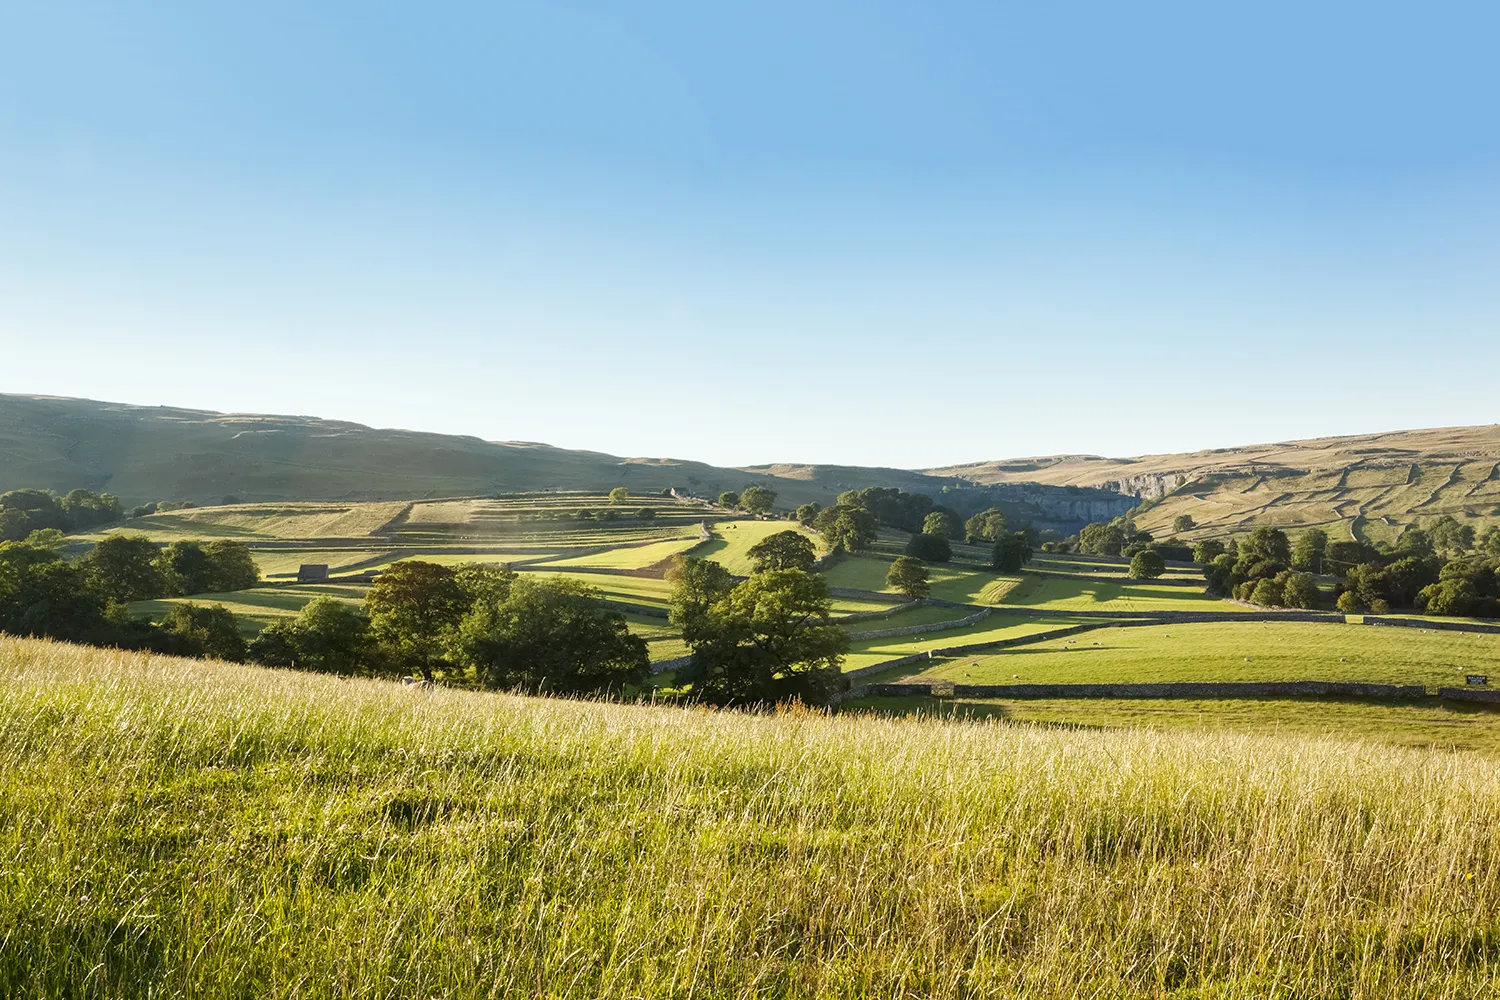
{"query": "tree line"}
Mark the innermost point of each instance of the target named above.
(45, 594)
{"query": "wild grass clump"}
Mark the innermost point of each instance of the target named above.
(176, 828)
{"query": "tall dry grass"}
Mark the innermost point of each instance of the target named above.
(177, 828)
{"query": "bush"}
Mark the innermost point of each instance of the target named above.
(1347, 602)
(1380, 606)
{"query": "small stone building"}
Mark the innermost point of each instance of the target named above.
(312, 573)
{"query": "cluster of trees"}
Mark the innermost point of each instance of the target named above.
(1258, 569)
(762, 641)
(475, 624)
(45, 595)
(752, 500)
(846, 526)
(896, 508)
(1443, 569)
(128, 568)
(25, 511)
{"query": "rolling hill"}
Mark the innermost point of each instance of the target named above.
(1371, 485)
(145, 453)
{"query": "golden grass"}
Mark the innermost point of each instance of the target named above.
(183, 828)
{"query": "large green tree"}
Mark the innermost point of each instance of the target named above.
(767, 641)
(928, 547)
(552, 636)
(412, 606)
(1147, 564)
(209, 631)
(234, 567)
(1011, 551)
(327, 635)
(986, 526)
(783, 550)
(125, 568)
(1308, 550)
(1101, 539)
(697, 585)
(909, 576)
(851, 528)
(943, 523)
(757, 499)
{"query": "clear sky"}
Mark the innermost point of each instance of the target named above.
(869, 233)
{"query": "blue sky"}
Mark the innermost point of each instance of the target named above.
(866, 233)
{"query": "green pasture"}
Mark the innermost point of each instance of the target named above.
(184, 828)
(1083, 594)
(274, 520)
(732, 541)
(633, 557)
(283, 561)
(1445, 726)
(632, 589)
(949, 581)
(1237, 651)
(912, 616)
(867, 652)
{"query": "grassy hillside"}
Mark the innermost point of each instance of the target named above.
(185, 828)
(1372, 484)
(145, 453)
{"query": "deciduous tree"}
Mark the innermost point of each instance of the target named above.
(767, 641)
(909, 576)
(783, 550)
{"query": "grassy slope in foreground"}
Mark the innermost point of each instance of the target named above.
(211, 830)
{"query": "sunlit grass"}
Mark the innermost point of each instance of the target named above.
(181, 828)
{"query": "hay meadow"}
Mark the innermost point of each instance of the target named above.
(183, 828)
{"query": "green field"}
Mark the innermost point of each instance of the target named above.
(1439, 726)
(1234, 651)
(282, 520)
(733, 540)
(188, 828)
(867, 652)
(981, 586)
(1107, 595)
(284, 562)
(637, 557)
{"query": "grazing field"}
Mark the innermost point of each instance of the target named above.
(1441, 726)
(1083, 594)
(634, 589)
(281, 520)
(285, 562)
(188, 828)
(868, 652)
(733, 540)
(1234, 651)
(634, 557)
(969, 585)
